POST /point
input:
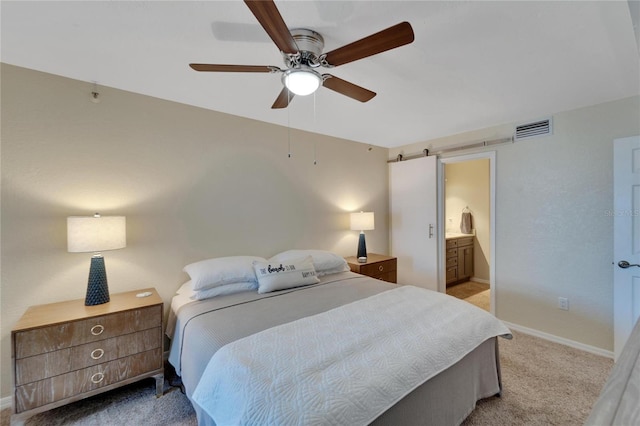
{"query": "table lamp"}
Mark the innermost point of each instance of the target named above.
(95, 234)
(362, 221)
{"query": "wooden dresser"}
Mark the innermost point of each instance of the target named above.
(378, 266)
(64, 352)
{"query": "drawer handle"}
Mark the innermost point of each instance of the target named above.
(97, 330)
(97, 378)
(380, 268)
(97, 353)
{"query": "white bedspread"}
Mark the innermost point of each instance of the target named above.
(345, 366)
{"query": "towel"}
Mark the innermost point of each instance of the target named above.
(465, 223)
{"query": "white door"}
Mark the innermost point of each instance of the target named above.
(413, 210)
(626, 232)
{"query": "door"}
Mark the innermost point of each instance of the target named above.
(626, 237)
(490, 245)
(413, 230)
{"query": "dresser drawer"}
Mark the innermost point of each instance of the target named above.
(452, 274)
(50, 364)
(452, 252)
(379, 268)
(452, 243)
(452, 261)
(67, 385)
(391, 276)
(74, 333)
(465, 241)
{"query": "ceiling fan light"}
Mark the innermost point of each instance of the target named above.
(302, 82)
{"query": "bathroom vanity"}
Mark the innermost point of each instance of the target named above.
(459, 257)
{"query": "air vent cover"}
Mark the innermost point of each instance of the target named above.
(536, 128)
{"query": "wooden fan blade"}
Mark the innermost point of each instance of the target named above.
(269, 17)
(284, 98)
(232, 68)
(348, 89)
(388, 39)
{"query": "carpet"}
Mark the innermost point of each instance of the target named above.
(544, 383)
(476, 293)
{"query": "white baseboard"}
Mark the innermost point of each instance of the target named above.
(561, 340)
(5, 403)
(479, 280)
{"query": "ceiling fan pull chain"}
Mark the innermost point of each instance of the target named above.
(289, 125)
(315, 126)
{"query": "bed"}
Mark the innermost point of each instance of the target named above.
(464, 369)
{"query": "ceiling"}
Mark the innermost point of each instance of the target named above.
(473, 64)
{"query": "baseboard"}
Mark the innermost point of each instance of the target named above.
(479, 280)
(5, 403)
(561, 340)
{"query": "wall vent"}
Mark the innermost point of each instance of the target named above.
(534, 129)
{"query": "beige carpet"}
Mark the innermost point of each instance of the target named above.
(544, 384)
(473, 292)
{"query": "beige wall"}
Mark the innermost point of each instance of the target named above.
(467, 184)
(195, 183)
(553, 236)
(192, 183)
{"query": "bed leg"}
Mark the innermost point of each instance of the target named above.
(159, 385)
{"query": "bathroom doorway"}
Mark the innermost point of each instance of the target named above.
(467, 207)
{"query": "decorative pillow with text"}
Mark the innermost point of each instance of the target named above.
(325, 262)
(274, 276)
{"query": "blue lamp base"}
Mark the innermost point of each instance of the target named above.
(97, 288)
(362, 249)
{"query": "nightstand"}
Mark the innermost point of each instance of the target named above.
(64, 352)
(377, 266)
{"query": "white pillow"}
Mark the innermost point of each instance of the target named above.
(324, 262)
(224, 289)
(222, 270)
(274, 276)
(185, 288)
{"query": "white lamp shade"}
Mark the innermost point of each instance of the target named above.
(96, 233)
(302, 82)
(362, 221)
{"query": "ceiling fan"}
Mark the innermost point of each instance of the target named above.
(301, 49)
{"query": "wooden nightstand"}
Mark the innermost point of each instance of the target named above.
(378, 266)
(64, 352)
